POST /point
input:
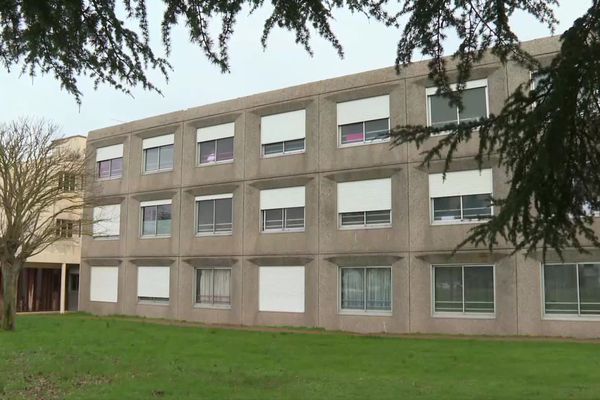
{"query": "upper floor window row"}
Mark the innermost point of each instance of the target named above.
(363, 121)
(441, 113)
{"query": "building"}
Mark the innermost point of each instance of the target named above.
(50, 280)
(290, 208)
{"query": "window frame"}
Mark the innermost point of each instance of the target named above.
(463, 314)
(154, 301)
(214, 232)
(110, 176)
(472, 84)
(284, 219)
(364, 142)
(107, 237)
(158, 170)
(69, 226)
(156, 235)
(461, 220)
(284, 152)
(216, 162)
(365, 312)
(212, 305)
(564, 317)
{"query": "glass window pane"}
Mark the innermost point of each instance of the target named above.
(474, 105)
(223, 215)
(352, 133)
(442, 113)
(273, 148)
(448, 289)
(294, 145)
(163, 226)
(149, 220)
(378, 217)
(352, 290)
(560, 289)
(477, 206)
(204, 280)
(446, 208)
(225, 149)
(379, 289)
(377, 130)
(352, 218)
(479, 289)
(589, 288)
(166, 157)
(294, 217)
(273, 219)
(116, 167)
(207, 152)
(104, 169)
(221, 286)
(205, 216)
(151, 159)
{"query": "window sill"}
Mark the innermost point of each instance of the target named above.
(300, 230)
(458, 222)
(450, 315)
(571, 318)
(214, 163)
(375, 141)
(144, 237)
(111, 178)
(359, 313)
(106, 237)
(159, 171)
(215, 234)
(153, 303)
(212, 306)
(362, 227)
(289, 153)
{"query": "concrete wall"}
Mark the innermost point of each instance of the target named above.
(410, 246)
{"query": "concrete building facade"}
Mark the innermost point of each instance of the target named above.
(291, 208)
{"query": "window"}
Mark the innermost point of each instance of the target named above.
(282, 209)
(109, 162)
(215, 214)
(572, 289)
(364, 121)
(158, 153)
(366, 289)
(66, 228)
(474, 101)
(104, 284)
(69, 182)
(281, 289)
(213, 286)
(287, 147)
(463, 289)
(107, 221)
(463, 196)
(283, 133)
(156, 218)
(153, 284)
(215, 143)
(365, 203)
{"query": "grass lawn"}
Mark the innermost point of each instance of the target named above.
(83, 357)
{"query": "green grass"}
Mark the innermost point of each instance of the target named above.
(84, 357)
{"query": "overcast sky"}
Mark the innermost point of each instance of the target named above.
(194, 81)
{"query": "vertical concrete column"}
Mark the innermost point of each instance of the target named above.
(63, 285)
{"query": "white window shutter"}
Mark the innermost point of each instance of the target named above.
(368, 195)
(362, 110)
(154, 282)
(281, 289)
(104, 284)
(215, 132)
(158, 141)
(282, 198)
(107, 220)
(283, 127)
(109, 152)
(461, 183)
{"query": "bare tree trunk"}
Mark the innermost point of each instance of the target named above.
(10, 279)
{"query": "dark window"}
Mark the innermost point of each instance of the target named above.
(215, 216)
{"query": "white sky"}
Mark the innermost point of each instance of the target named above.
(194, 81)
